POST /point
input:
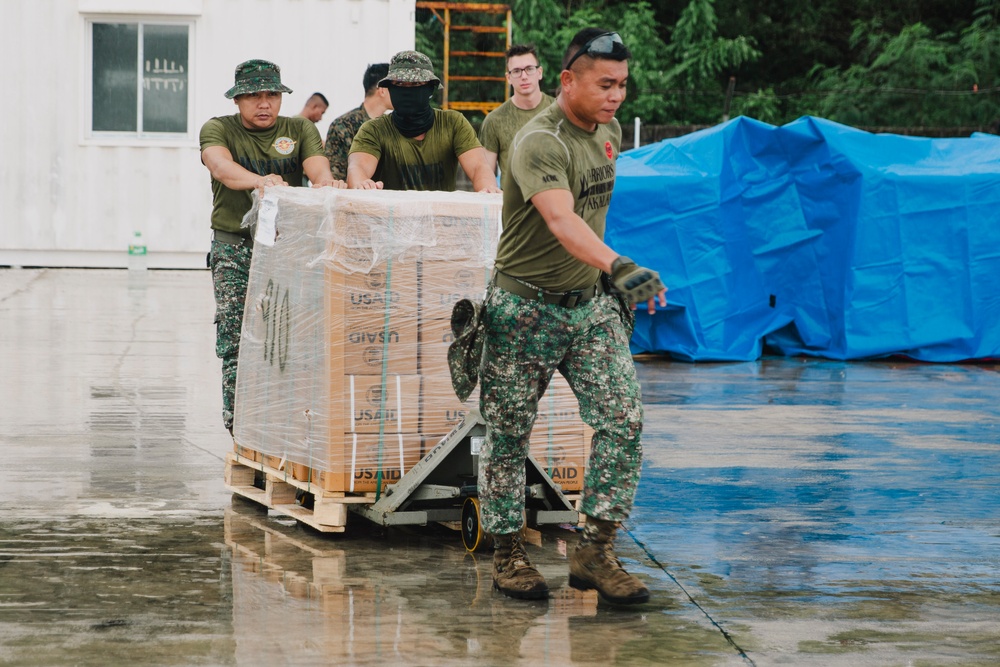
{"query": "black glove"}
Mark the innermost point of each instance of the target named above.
(636, 283)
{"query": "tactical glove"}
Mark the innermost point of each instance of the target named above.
(636, 283)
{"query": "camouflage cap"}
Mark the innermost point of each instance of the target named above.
(255, 76)
(410, 67)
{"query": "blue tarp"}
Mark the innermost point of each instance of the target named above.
(814, 238)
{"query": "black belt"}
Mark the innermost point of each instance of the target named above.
(233, 239)
(570, 299)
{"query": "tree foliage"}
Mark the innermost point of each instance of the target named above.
(905, 63)
(915, 77)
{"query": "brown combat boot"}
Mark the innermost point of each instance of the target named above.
(513, 574)
(594, 565)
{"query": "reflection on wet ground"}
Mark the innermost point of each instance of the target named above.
(834, 512)
(792, 511)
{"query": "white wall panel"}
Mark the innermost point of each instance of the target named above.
(70, 200)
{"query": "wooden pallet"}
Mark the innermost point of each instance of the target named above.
(329, 511)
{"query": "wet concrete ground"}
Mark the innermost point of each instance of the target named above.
(791, 512)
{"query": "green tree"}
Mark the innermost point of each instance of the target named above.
(703, 61)
(862, 62)
(551, 27)
(915, 78)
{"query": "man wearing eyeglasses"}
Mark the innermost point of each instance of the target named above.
(560, 300)
(501, 124)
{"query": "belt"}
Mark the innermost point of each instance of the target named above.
(233, 239)
(570, 299)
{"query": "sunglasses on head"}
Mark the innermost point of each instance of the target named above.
(603, 44)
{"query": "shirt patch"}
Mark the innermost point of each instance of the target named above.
(607, 150)
(286, 145)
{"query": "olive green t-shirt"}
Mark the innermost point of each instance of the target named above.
(281, 149)
(551, 153)
(408, 164)
(499, 128)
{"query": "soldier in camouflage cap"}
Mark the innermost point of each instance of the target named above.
(410, 67)
(416, 147)
(253, 149)
(256, 76)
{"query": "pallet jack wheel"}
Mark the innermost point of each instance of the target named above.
(472, 527)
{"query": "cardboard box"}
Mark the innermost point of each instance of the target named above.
(371, 315)
(374, 346)
(559, 403)
(371, 406)
(338, 294)
(435, 337)
(445, 283)
(381, 224)
(562, 451)
(440, 409)
(388, 288)
(467, 233)
(247, 453)
(355, 460)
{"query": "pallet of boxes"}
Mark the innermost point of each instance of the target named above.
(343, 382)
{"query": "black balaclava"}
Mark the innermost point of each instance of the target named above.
(411, 108)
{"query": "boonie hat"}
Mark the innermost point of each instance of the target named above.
(255, 76)
(410, 67)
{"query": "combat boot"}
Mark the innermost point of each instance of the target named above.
(594, 565)
(513, 573)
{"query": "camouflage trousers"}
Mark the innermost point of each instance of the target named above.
(526, 341)
(230, 274)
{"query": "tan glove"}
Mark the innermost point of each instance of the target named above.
(636, 283)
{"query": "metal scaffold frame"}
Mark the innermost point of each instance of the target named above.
(442, 11)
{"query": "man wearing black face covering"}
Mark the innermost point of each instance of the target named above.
(416, 147)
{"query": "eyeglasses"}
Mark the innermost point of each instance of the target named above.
(603, 44)
(518, 71)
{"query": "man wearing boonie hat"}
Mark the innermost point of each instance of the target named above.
(251, 150)
(416, 147)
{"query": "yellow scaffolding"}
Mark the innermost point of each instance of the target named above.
(445, 9)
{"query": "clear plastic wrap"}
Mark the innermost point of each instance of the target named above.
(343, 378)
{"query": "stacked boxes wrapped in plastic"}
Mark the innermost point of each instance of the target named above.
(343, 377)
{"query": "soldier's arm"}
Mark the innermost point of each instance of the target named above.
(556, 206)
(474, 163)
(317, 170)
(490, 142)
(224, 169)
(360, 169)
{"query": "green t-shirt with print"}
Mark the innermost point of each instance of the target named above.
(281, 149)
(551, 153)
(499, 128)
(407, 164)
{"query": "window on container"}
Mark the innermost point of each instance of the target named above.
(140, 78)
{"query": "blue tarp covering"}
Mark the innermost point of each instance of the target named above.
(814, 238)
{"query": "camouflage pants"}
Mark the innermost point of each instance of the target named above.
(526, 341)
(230, 274)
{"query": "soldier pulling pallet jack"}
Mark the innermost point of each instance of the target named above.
(561, 299)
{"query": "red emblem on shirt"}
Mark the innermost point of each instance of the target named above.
(607, 149)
